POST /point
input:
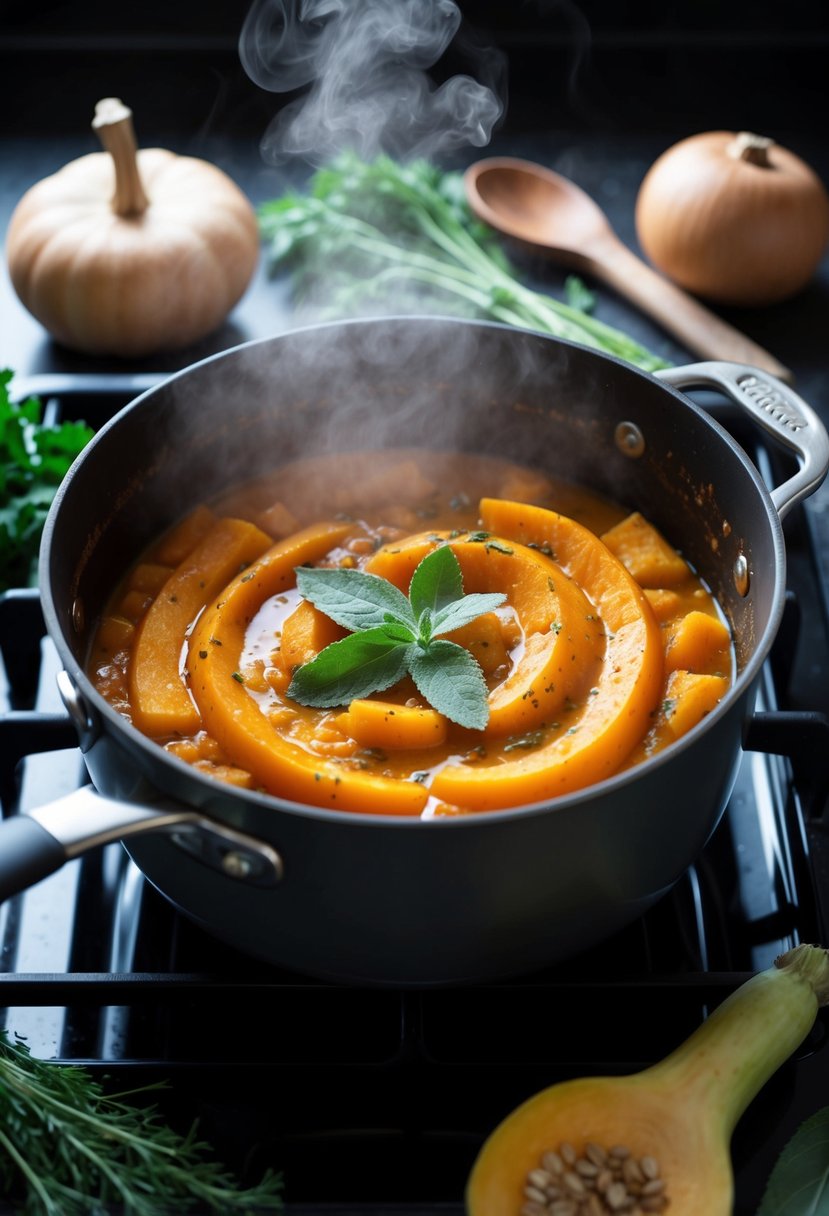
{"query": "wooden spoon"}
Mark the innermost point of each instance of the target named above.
(548, 213)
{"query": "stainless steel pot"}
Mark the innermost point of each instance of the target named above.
(383, 899)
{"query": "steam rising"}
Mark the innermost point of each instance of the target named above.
(364, 64)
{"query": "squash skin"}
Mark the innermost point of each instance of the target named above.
(107, 284)
(682, 1111)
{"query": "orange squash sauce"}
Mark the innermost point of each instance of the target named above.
(607, 649)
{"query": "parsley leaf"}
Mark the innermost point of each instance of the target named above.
(392, 636)
(34, 458)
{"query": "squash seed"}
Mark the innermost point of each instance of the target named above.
(595, 1182)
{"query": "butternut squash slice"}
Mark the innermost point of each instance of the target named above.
(616, 713)
(386, 725)
(680, 1112)
(161, 702)
(233, 717)
(182, 539)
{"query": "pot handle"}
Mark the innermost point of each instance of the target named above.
(35, 845)
(777, 409)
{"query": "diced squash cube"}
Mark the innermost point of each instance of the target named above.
(384, 724)
(228, 773)
(484, 639)
(688, 698)
(181, 540)
(134, 604)
(278, 521)
(305, 633)
(115, 633)
(666, 604)
(185, 749)
(645, 553)
(698, 642)
(149, 577)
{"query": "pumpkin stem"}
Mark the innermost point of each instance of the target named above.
(754, 149)
(746, 1039)
(113, 124)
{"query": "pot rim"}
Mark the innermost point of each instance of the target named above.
(216, 792)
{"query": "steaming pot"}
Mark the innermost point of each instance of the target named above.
(379, 899)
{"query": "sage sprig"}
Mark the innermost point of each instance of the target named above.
(393, 635)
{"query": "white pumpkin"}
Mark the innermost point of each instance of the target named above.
(127, 252)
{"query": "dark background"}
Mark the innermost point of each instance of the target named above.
(596, 90)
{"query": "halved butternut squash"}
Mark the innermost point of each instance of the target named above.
(678, 1115)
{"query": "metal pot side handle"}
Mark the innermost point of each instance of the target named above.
(778, 409)
(35, 845)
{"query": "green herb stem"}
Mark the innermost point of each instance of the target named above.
(71, 1150)
(365, 226)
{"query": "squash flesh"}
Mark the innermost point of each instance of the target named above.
(628, 684)
(233, 717)
(559, 690)
(682, 1111)
(161, 702)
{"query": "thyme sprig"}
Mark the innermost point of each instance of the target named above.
(69, 1149)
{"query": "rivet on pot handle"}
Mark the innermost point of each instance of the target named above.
(34, 845)
(778, 409)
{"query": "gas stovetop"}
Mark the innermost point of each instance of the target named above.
(378, 1100)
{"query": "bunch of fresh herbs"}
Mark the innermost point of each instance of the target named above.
(382, 235)
(393, 636)
(68, 1149)
(34, 459)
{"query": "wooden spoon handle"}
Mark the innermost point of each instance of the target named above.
(695, 326)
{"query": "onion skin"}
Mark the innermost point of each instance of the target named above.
(731, 229)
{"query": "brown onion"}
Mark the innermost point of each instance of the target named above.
(734, 218)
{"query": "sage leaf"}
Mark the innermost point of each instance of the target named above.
(799, 1182)
(451, 681)
(436, 582)
(352, 598)
(462, 612)
(355, 666)
(393, 636)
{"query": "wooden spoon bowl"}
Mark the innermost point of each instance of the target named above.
(548, 213)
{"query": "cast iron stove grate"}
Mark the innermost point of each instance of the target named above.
(377, 1100)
